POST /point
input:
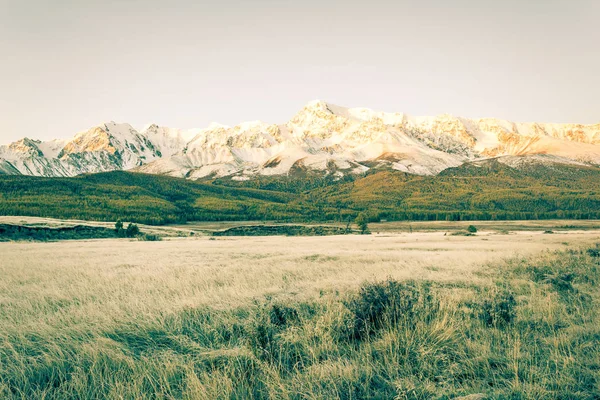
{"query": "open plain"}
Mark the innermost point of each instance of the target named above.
(272, 317)
(115, 279)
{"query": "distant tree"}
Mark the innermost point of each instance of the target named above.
(119, 228)
(472, 229)
(348, 225)
(361, 221)
(132, 230)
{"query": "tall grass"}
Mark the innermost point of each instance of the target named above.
(532, 334)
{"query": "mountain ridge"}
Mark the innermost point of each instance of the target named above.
(322, 138)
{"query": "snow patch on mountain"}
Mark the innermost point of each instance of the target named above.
(321, 137)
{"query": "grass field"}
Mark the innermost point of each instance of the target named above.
(394, 315)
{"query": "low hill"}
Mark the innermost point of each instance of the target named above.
(484, 190)
(136, 197)
(491, 190)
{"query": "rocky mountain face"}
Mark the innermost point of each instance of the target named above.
(321, 138)
(106, 147)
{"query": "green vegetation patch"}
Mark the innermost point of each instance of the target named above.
(282, 230)
(491, 191)
(9, 232)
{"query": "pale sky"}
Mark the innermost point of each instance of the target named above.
(67, 65)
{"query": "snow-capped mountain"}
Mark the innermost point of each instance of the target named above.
(321, 137)
(106, 147)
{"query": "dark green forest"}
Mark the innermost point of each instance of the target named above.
(471, 192)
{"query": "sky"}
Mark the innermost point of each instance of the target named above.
(68, 65)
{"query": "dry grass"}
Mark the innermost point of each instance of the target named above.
(114, 279)
(91, 310)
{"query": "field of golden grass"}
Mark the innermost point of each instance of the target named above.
(104, 318)
(112, 278)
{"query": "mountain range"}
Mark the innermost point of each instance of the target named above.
(322, 138)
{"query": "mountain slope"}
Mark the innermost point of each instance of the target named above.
(6, 168)
(106, 147)
(321, 138)
(490, 189)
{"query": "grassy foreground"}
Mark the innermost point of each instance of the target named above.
(531, 332)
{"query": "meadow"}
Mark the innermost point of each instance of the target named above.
(419, 315)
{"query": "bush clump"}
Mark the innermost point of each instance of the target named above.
(389, 302)
(132, 230)
(499, 310)
(560, 278)
(362, 222)
(472, 229)
(562, 282)
(271, 340)
(281, 315)
(149, 237)
(462, 233)
(594, 251)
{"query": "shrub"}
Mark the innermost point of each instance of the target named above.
(499, 310)
(472, 229)
(119, 229)
(272, 341)
(561, 279)
(281, 315)
(361, 220)
(261, 336)
(132, 231)
(562, 282)
(387, 302)
(594, 251)
(461, 233)
(149, 237)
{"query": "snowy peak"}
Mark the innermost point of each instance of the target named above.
(26, 147)
(96, 139)
(317, 120)
(321, 137)
(254, 134)
(165, 141)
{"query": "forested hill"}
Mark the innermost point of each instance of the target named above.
(473, 191)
